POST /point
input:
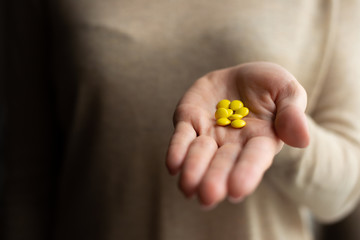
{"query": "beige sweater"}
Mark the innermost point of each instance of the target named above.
(119, 67)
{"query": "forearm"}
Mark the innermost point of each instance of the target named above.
(325, 177)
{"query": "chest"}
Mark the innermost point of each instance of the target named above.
(174, 42)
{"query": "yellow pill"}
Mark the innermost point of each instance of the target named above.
(236, 104)
(239, 123)
(244, 111)
(223, 104)
(235, 117)
(230, 112)
(223, 122)
(221, 113)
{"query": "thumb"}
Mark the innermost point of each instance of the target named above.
(290, 120)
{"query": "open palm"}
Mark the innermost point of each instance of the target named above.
(216, 161)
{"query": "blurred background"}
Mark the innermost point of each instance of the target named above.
(28, 181)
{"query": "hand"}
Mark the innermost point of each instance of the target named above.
(216, 161)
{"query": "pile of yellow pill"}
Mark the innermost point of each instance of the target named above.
(231, 112)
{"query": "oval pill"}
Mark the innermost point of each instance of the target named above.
(235, 117)
(230, 112)
(221, 113)
(223, 104)
(236, 104)
(239, 123)
(244, 111)
(223, 122)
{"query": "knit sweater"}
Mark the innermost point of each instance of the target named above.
(117, 71)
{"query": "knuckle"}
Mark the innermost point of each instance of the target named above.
(204, 141)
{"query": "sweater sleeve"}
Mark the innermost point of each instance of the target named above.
(325, 177)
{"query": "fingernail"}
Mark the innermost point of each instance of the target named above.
(207, 207)
(235, 200)
(189, 195)
(173, 172)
